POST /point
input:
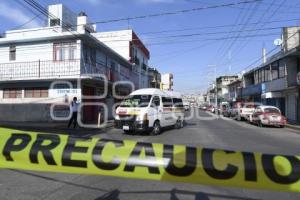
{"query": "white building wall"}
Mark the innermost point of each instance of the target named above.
(117, 40)
(167, 81)
(32, 52)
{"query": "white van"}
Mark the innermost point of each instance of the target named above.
(150, 110)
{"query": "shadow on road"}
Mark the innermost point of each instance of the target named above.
(175, 194)
(63, 131)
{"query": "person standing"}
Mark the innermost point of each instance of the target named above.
(74, 109)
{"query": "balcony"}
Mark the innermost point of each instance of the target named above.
(39, 70)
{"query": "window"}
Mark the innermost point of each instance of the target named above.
(255, 77)
(113, 64)
(281, 71)
(260, 76)
(267, 74)
(36, 92)
(54, 22)
(167, 102)
(64, 51)
(274, 70)
(12, 53)
(271, 110)
(136, 101)
(178, 103)
(12, 93)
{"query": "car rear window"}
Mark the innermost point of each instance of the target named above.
(271, 110)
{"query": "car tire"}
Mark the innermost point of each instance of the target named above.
(128, 132)
(281, 126)
(156, 130)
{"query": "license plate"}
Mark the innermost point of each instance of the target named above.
(126, 128)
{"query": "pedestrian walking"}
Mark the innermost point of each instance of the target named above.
(74, 110)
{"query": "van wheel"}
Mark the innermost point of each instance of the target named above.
(128, 132)
(281, 126)
(156, 128)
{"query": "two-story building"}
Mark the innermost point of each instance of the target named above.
(50, 65)
(222, 87)
(129, 46)
(275, 81)
(235, 91)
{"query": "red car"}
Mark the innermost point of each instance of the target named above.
(268, 116)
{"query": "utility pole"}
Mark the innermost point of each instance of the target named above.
(216, 88)
(230, 62)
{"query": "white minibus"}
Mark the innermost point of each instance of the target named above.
(150, 110)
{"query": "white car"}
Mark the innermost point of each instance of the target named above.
(268, 116)
(150, 109)
(186, 106)
(243, 111)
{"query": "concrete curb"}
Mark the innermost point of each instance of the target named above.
(58, 126)
(295, 127)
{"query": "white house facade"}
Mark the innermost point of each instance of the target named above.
(52, 64)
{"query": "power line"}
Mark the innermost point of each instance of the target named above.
(214, 27)
(262, 25)
(297, 32)
(177, 12)
(222, 49)
(239, 33)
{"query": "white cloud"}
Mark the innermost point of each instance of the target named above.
(16, 15)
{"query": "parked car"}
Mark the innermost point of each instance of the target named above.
(226, 111)
(211, 109)
(203, 107)
(243, 111)
(186, 106)
(268, 116)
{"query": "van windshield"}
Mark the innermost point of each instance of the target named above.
(136, 101)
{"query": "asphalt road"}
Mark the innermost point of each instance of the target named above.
(216, 133)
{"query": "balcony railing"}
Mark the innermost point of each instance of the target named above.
(39, 69)
(61, 69)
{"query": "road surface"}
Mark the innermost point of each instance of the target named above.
(217, 133)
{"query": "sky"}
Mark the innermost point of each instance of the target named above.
(194, 46)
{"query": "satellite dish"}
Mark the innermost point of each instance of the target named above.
(277, 42)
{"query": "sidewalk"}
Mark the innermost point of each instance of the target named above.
(293, 126)
(49, 126)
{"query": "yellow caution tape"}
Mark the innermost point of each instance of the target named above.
(130, 159)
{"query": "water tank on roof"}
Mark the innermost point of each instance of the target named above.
(82, 14)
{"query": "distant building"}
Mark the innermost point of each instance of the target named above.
(154, 78)
(235, 91)
(167, 81)
(222, 87)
